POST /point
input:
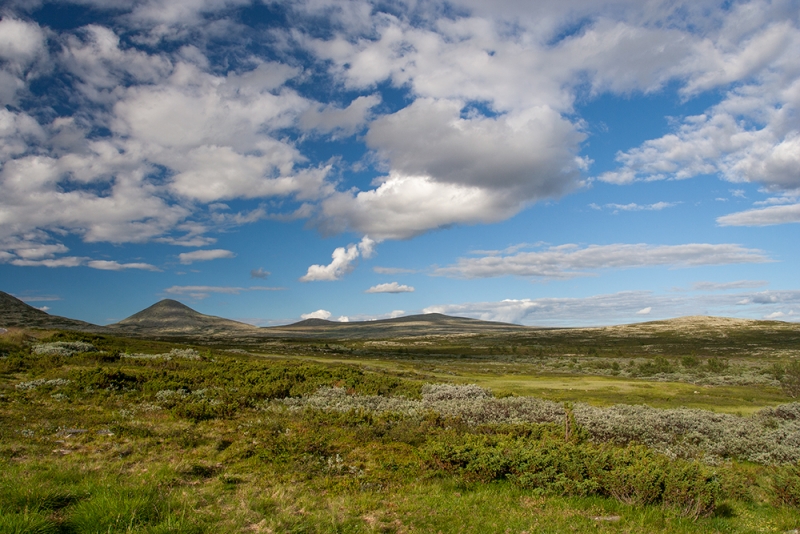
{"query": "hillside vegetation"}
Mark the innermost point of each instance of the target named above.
(111, 434)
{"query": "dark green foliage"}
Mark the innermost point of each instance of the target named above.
(776, 371)
(786, 485)
(657, 365)
(690, 361)
(790, 381)
(717, 365)
(634, 475)
(102, 378)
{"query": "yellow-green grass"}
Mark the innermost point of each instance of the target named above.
(591, 389)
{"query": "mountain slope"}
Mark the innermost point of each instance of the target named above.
(411, 325)
(171, 318)
(15, 313)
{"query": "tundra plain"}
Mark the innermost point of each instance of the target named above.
(426, 424)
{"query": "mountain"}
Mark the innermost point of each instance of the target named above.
(429, 324)
(14, 312)
(170, 318)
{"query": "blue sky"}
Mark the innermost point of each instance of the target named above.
(552, 163)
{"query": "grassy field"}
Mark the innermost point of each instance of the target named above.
(127, 435)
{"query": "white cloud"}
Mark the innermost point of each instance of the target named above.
(259, 273)
(64, 261)
(406, 206)
(752, 134)
(347, 121)
(645, 311)
(632, 206)
(568, 261)
(201, 292)
(620, 307)
(20, 42)
(107, 265)
(204, 255)
(762, 216)
(341, 262)
(343, 319)
(319, 314)
(725, 286)
(391, 287)
(393, 270)
(44, 308)
(40, 298)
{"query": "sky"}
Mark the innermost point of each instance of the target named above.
(549, 163)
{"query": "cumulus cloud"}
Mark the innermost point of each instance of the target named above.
(345, 122)
(391, 287)
(342, 262)
(752, 134)
(406, 206)
(568, 261)
(645, 311)
(204, 255)
(319, 314)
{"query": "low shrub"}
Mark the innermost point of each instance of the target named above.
(634, 475)
(786, 485)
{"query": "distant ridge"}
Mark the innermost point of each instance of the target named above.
(427, 324)
(172, 318)
(15, 313)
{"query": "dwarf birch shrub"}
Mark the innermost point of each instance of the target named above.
(62, 348)
(471, 404)
(771, 436)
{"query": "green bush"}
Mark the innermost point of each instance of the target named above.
(658, 365)
(690, 361)
(717, 365)
(786, 485)
(790, 381)
(634, 474)
(691, 489)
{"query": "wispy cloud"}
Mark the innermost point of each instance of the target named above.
(762, 216)
(626, 306)
(726, 286)
(393, 270)
(391, 287)
(201, 292)
(616, 208)
(204, 255)
(39, 298)
(569, 261)
(107, 265)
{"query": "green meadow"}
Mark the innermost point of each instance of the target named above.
(651, 431)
